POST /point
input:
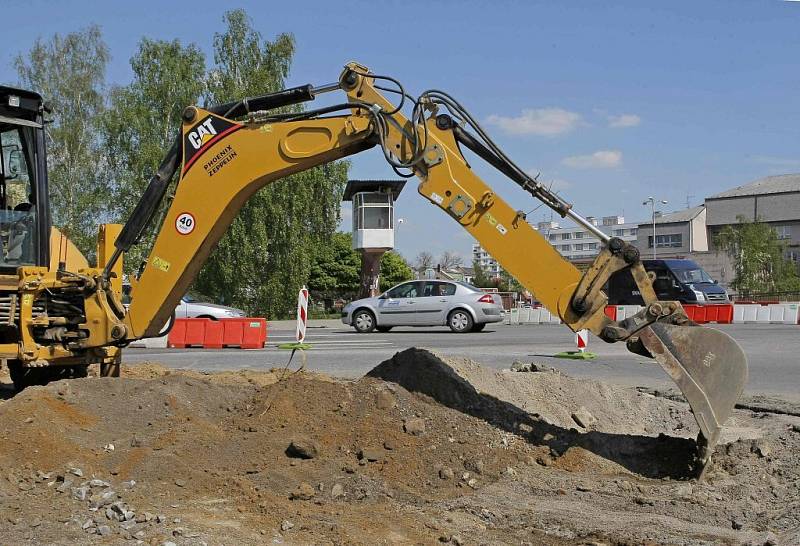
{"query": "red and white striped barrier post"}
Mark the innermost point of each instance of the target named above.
(582, 340)
(302, 314)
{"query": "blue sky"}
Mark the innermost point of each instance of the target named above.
(610, 101)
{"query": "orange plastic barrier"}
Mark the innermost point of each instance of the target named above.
(611, 312)
(188, 333)
(214, 335)
(702, 314)
(246, 333)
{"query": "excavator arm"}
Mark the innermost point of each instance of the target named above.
(225, 154)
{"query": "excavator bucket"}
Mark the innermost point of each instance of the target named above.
(708, 366)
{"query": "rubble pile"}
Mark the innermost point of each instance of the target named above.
(422, 450)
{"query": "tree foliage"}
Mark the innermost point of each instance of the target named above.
(143, 121)
(480, 278)
(758, 257)
(69, 72)
(335, 269)
(394, 270)
(267, 253)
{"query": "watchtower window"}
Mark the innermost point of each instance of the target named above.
(372, 210)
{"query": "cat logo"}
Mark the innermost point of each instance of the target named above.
(204, 136)
(204, 132)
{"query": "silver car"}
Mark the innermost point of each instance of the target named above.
(189, 307)
(458, 305)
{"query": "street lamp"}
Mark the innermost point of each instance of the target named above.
(652, 202)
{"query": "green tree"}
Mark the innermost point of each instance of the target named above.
(335, 269)
(267, 253)
(69, 72)
(143, 121)
(394, 270)
(480, 279)
(758, 257)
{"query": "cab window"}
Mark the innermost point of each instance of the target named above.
(17, 211)
(407, 290)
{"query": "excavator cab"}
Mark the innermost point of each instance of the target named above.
(24, 211)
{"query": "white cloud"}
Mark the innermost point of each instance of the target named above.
(624, 120)
(538, 121)
(603, 159)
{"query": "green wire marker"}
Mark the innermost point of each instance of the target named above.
(576, 355)
(294, 346)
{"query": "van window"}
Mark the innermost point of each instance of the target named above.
(692, 276)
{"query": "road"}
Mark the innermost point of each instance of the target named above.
(773, 352)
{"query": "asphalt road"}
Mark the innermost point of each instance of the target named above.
(773, 352)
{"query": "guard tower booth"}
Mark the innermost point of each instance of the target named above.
(373, 226)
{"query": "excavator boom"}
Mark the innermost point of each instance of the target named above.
(224, 154)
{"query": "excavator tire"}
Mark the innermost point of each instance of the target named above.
(27, 377)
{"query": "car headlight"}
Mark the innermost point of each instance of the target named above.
(699, 295)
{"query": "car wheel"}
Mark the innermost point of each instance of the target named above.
(363, 321)
(479, 327)
(460, 321)
(383, 329)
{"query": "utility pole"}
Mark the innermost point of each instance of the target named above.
(652, 202)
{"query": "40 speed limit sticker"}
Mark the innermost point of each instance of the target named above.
(185, 223)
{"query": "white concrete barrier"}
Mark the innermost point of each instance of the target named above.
(627, 311)
(151, 343)
(529, 315)
(774, 313)
(783, 313)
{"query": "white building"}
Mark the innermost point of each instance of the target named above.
(575, 243)
(489, 265)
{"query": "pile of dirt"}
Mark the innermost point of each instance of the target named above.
(422, 450)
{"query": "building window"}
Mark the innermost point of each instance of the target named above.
(578, 247)
(674, 240)
(565, 247)
(565, 236)
(634, 231)
(784, 232)
(618, 232)
(552, 236)
(579, 234)
(590, 246)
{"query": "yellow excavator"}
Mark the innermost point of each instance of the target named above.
(58, 315)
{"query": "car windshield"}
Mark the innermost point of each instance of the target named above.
(189, 299)
(692, 276)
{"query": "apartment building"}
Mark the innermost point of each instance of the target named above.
(577, 244)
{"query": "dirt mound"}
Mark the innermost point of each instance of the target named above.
(422, 450)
